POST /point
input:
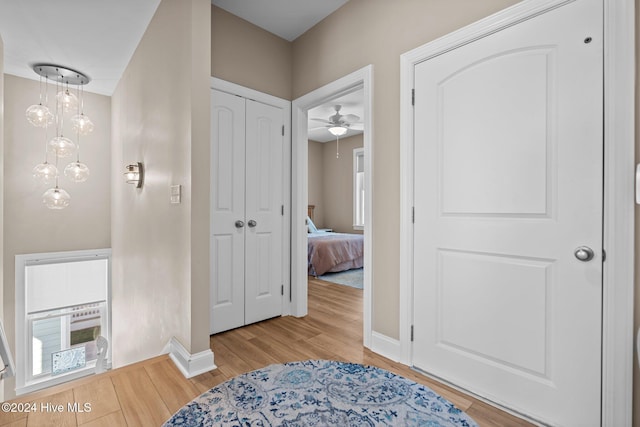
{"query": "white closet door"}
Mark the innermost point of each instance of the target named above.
(508, 184)
(227, 207)
(264, 200)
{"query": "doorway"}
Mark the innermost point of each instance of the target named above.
(358, 80)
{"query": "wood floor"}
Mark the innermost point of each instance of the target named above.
(147, 393)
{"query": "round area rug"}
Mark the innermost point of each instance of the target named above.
(320, 393)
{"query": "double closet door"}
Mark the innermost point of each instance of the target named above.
(247, 182)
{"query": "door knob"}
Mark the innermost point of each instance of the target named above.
(584, 253)
(239, 224)
(252, 223)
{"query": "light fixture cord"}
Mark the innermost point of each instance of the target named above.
(57, 107)
(80, 96)
(58, 129)
(46, 90)
(46, 139)
(40, 86)
(46, 123)
(57, 174)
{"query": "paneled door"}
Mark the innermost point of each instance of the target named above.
(264, 212)
(508, 215)
(246, 211)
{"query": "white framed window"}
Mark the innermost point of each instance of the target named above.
(62, 307)
(358, 188)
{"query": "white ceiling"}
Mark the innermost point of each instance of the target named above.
(98, 37)
(287, 19)
(95, 37)
(352, 103)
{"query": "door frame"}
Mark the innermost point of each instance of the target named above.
(362, 78)
(618, 204)
(244, 92)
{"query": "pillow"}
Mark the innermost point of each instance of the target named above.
(311, 227)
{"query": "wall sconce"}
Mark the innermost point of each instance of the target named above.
(135, 174)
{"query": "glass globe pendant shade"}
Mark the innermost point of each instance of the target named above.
(77, 172)
(81, 124)
(56, 198)
(45, 172)
(39, 115)
(338, 130)
(68, 100)
(61, 146)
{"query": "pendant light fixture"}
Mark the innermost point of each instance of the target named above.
(337, 131)
(58, 147)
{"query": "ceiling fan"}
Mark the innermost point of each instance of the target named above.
(338, 124)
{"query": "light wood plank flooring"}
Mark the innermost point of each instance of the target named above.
(147, 393)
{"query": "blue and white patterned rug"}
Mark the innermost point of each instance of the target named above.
(320, 393)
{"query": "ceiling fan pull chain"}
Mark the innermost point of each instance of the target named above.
(337, 147)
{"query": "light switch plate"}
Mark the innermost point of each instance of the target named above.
(175, 192)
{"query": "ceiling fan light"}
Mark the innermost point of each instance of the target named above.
(338, 130)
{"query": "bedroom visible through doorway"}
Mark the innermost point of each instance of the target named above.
(329, 124)
(336, 240)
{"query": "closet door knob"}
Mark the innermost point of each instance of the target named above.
(252, 223)
(239, 224)
(584, 253)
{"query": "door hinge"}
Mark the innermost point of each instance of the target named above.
(604, 255)
(413, 97)
(282, 130)
(282, 210)
(413, 214)
(411, 333)
(281, 289)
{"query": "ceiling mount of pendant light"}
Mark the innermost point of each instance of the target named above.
(43, 115)
(61, 74)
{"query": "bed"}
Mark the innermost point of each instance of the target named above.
(330, 252)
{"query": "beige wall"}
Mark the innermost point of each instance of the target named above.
(247, 55)
(1, 187)
(377, 32)
(29, 227)
(330, 183)
(1, 175)
(338, 184)
(636, 372)
(315, 174)
(160, 284)
(200, 171)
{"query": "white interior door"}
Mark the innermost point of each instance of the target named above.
(227, 207)
(508, 183)
(264, 211)
(246, 211)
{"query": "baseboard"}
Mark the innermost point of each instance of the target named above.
(189, 364)
(385, 346)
